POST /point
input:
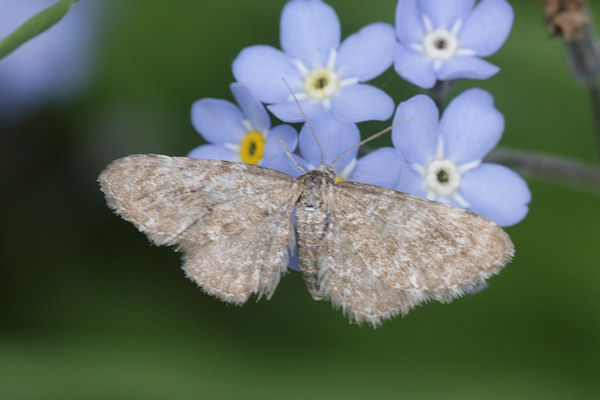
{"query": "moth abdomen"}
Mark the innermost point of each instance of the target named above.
(312, 217)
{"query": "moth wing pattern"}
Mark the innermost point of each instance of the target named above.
(232, 220)
(385, 252)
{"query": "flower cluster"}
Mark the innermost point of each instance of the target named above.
(434, 156)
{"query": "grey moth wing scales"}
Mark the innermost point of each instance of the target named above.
(371, 251)
(385, 252)
(231, 220)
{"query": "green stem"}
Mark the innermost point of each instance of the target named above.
(34, 26)
(440, 92)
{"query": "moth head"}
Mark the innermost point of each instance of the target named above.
(328, 170)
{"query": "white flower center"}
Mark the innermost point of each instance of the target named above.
(440, 45)
(321, 84)
(442, 177)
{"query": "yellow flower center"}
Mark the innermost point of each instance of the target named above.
(321, 84)
(253, 147)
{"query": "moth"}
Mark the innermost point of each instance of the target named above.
(371, 251)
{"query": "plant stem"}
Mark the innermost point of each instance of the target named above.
(439, 92)
(595, 100)
(550, 167)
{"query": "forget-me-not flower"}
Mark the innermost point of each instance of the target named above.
(444, 156)
(325, 75)
(444, 40)
(241, 134)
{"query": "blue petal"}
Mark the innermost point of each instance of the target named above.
(215, 152)
(293, 262)
(409, 26)
(487, 27)
(382, 167)
(261, 69)
(443, 13)
(310, 29)
(282, 163)
(412, 182)
(471, 126)
(474, 289)
(417, 139)
(358, 103)
(252, 109)
(218, 121)
(334, 135)
(469, 67)
(288, 111)
(414, 67)
(496, 192)
(274, 147)
(367, 53)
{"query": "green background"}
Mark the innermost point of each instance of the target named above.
(90, 310)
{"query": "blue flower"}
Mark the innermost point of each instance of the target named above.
(445, 156)
(443, 40)
(52, 67)
(324, 75)
(241, 134)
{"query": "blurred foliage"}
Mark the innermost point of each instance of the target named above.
(91, 311)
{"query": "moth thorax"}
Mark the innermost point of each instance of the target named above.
(316, 185)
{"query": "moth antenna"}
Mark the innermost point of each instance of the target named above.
(287, 153)
(367, 140)
(314, 135)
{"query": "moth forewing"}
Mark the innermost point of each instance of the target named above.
(232, 220)
(389, 251)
